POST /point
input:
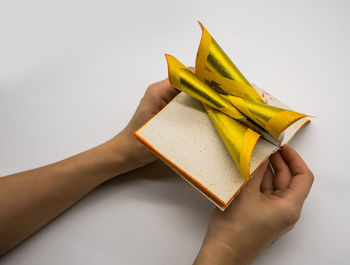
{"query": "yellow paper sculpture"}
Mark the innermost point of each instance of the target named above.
(237, 111)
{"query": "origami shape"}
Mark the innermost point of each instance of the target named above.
(220, 128)
(237, 111)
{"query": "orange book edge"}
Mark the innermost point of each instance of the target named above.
(187, 176)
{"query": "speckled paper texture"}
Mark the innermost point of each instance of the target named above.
(184, 136)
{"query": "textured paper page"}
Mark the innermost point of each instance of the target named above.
(184, 137)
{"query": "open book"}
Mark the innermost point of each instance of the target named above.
(217, 132)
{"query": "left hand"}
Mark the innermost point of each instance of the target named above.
(156, 97)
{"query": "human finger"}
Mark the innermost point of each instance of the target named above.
(258, 175)
(158, 95)
(282, 172)
(302, 177)
(294, 161)
(267, 181)
(164, 90)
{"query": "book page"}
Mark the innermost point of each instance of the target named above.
(183, 135)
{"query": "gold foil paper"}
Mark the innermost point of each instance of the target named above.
(183, 79)
(215, 68)
(237, 111)
(274, 120)
(238, 139)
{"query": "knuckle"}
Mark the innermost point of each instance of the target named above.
(150, 91)
(151, 87)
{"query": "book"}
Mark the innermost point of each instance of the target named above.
(217, 132)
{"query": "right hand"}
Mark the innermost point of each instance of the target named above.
(265, 209)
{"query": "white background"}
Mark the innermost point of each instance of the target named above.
(73, 72)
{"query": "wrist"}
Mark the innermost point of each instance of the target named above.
(215, 251)
(237, 243)
(126, 152)
(116, 156)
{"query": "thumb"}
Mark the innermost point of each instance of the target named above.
(258, 175)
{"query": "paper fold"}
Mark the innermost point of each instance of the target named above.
(239, 114)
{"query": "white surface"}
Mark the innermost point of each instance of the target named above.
(72, 72)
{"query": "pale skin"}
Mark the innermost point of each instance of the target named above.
(268, 206)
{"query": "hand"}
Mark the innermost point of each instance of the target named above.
(266, 208)
(157, 96)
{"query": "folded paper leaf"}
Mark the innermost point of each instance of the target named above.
(216, 69)
(238, 139)
(273, 119)
(238, 112)
(183, 79)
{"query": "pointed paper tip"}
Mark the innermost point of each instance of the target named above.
(173, 62)
(200, 24)
(169, 58)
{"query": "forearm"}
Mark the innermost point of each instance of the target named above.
(31, 199)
